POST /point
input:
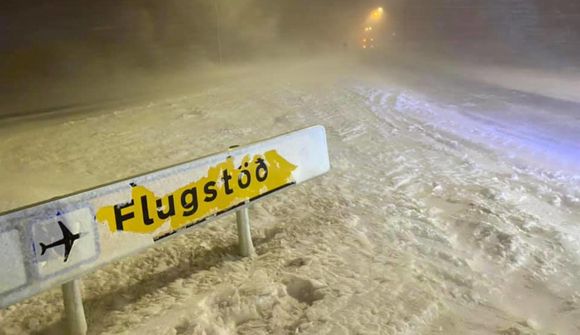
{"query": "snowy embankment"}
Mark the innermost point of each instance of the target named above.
(425, 224)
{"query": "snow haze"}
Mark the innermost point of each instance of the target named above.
(452, 204)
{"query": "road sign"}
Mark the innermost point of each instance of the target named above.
(51, 243)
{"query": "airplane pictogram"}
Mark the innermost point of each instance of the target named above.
(68, 239)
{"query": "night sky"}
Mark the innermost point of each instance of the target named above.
(40, 35)
(42, 42)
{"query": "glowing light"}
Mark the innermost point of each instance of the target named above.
(376, 14)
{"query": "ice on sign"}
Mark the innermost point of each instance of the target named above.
(223, 186)
(13, 274)
(63, 242)
(61, 239)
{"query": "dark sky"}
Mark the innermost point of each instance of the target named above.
(67, 38)
(60, 46)
(522, 28)
(61, 35)
(151, 32)
(44, 42)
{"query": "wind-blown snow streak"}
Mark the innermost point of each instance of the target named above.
(421, 227)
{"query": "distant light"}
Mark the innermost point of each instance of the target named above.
(364, 46)
(364, 39)
(376, 14)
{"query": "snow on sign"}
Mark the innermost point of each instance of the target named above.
(56, 241)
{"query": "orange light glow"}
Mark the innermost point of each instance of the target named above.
(377, 14)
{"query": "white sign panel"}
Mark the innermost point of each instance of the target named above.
(53, 242)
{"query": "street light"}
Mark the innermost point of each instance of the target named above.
(376, 14)
(373, 21)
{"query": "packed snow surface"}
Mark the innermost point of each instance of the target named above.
(436, 217)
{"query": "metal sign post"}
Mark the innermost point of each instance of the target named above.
(57, 241)
(73, 307)
(244, 233)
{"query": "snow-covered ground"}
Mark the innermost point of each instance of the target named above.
(436, 217)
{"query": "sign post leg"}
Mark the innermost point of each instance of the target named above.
(73, 307)
(244, 233)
